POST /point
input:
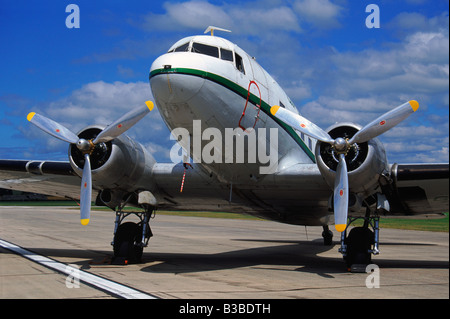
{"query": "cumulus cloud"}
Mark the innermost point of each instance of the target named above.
(321, 13)
(192, 15)
(99, 102)
(248, 18)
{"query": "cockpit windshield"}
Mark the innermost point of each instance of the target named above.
(216, 52)
(205, 49)
(182, 48)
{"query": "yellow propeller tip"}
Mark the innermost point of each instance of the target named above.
(414, 104)
(150, 105)
(30, 115)
(274, 109)
(84, 222)
(340, 227)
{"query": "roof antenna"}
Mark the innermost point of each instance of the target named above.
(212, 28)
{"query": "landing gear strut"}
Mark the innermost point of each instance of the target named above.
(327, 235)
(357, 248)
(131, 238)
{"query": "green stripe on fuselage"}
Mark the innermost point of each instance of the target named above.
(241, 92)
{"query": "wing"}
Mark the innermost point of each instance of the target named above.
(419, 188)
(297, 195)
(43, 177)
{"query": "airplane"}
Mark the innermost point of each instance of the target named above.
(227, 114)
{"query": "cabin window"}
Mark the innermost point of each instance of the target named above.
(239, 63)
(205, 49)
(182, 48)
(226, 55)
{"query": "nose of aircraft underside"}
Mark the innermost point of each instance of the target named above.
(176, 77)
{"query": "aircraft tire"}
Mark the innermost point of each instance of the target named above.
(359, 242)
(124, 242)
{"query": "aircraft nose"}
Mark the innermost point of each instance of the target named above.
(176, 77)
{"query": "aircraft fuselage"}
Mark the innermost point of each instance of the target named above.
(219, 94)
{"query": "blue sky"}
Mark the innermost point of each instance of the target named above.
(332, 66)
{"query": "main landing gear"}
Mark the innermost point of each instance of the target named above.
(357, 248)
(131, 238)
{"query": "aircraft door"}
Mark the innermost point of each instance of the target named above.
(252, 108)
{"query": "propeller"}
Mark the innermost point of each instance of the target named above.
(112, 131)
(341, 147)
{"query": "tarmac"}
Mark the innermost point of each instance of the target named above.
(212, 258)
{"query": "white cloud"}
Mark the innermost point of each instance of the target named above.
(257, 21)
(248, 18)
(321, 13)
(99, 102)
(192, 14)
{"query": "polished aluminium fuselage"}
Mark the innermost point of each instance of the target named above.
(192, 89)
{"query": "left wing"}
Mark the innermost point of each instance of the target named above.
(419, 189)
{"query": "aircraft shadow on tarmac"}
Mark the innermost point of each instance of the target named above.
(303, 256)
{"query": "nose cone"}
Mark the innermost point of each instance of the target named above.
(177, 77)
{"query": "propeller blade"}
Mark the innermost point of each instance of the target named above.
(300, 123)
(123, 124)
(53, 128)
(341, 191)
(385, 122)
(86, 192)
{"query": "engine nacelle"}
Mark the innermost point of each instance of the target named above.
(119, 167)
(365, 161)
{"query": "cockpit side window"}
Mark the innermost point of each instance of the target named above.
(205, 49)
(182, 48)
(239, 63)
(226, 55)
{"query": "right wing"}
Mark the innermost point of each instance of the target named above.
(43, 177)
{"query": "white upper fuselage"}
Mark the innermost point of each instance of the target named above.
(206, 80)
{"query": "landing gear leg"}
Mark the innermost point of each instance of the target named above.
(357, 248)
(131, 238)
(327, 235)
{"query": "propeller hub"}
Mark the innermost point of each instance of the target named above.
(341, 145)
(84, 145)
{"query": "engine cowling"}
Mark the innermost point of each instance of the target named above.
(119, 167)
(365, 161)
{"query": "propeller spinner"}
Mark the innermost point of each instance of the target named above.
(112, 131)
(341, 147)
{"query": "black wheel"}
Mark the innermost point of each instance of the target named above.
(124, 247)
(359, 241)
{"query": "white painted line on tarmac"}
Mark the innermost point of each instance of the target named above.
(96, 281)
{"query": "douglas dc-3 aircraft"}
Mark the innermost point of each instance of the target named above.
(244, 148)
